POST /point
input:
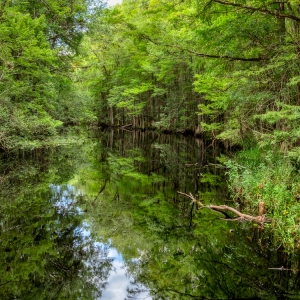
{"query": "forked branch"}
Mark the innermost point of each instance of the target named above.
(260, 219)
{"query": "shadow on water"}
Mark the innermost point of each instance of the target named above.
(60, 208)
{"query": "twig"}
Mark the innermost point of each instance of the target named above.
(280, 269)
(11, 228)
(192, 198)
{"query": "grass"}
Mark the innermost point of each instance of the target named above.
(268, 176)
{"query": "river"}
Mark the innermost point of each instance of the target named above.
(103, 219)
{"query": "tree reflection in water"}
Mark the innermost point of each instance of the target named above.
(45, 253)
(170, 247)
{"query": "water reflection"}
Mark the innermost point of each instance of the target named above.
(44, 253)
(184, 253)
(120, 282)
(104, 221)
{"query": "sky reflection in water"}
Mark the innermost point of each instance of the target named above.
(118, 281)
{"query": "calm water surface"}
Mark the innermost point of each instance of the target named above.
(103, 220)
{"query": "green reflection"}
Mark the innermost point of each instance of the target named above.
(170, 247)
(124, 185)
(45, 252)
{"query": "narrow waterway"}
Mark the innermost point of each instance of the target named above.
(103, 219)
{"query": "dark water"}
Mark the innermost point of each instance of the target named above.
(103, 220)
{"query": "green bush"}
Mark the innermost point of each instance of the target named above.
(268, 176)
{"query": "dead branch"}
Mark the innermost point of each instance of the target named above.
(231, 58)
(280, 269)
(192, 198)
(260, 219)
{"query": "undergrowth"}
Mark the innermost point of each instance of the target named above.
(255, 176)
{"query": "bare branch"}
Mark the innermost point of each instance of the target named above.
(192, 198)
(280, 269)
(224, 56)
(260, 219)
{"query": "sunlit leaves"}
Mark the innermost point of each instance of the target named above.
(37, 95)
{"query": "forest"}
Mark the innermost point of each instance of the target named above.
(219, 70)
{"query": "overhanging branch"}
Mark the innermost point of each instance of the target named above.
(258, 9)
(224, 56)
(155, 42)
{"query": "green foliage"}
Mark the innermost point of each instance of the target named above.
(44, 254)
(164, 251)
(256, 176)
(225, 68)
(137, 80)
(157, 63)
(228, 69)
(36, 91)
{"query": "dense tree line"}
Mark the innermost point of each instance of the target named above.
(219, 68)
(224, 69)
(38, 41)
(229, 68)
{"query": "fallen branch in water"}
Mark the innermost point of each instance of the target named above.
(260, 219)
